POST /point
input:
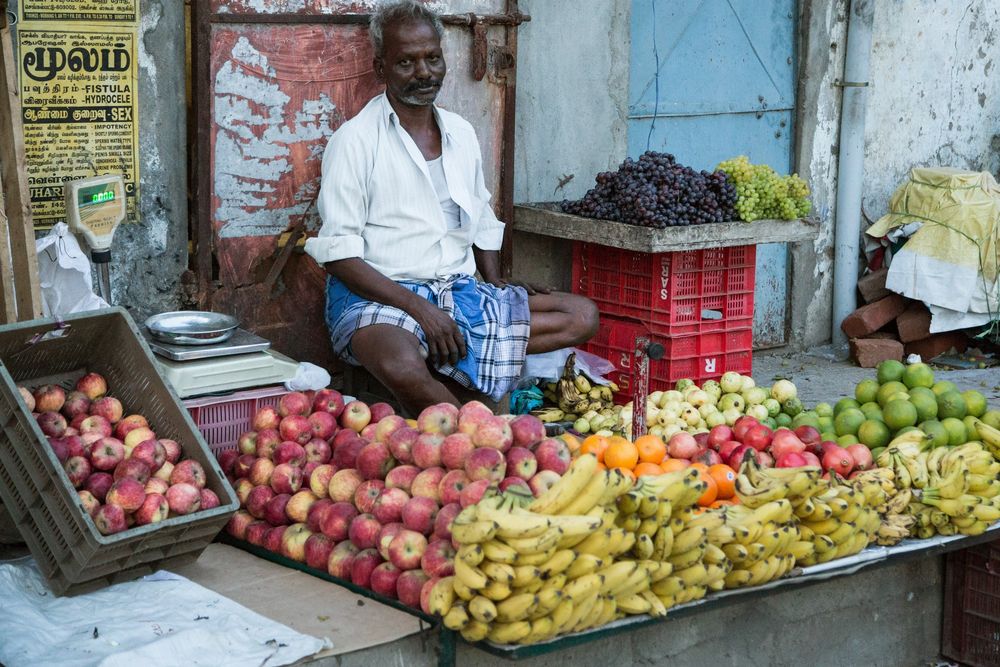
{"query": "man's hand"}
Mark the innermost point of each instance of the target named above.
(445, 343)
(530, 288)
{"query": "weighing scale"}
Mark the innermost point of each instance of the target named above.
(94, 209)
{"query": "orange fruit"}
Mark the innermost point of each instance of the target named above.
(725, 478)
(621, 453)
(712, 490)
(596, 445)
(628, 473)
(572, 442)
(651, 448)
(647, 468)
(670, 465)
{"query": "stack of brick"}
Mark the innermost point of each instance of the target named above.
(890, 326)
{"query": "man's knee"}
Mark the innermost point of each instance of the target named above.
(586, 318)
(400, 374)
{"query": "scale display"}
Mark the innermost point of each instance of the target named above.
(96, 194)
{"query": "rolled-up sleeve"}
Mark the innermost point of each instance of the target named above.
(489, 230)
(342, 201)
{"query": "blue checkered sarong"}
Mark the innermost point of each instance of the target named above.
(494, 321)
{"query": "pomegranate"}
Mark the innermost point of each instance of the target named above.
(784, 442)
(701, 438)
(738, 455)
(862, 456)
(728, 447)
(718, 435)
(765, 460)
(808, 434)
(838, 460)
(791, 460)
(758, 437)
(742, 425)
(811, 459)
(709, 457)
(825, 445)
(682, 446)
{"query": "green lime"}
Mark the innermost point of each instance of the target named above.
(918, 375)
(971, 432)
(874, 433)
(865, 391)
(992, 417)
(889, 371)
(847, 439)
(923, 391)
(770, 423)
(823, 410)
(825, 424)
(942, 387)
(806, 419)
(848, 422)
(782, 419)
(792, 407)
(936, 431)
(845, 404)
(952, 404)
(975, 402)
(898, 396)
(905, 429)
(956, 431)
(899, 414)
(828, 436)
(925, 403)
(872, 411)
(887, 390)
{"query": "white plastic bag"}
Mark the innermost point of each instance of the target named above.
(549, 366)
(308, 377)
(64, 274)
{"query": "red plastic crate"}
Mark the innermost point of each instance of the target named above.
(223, 419)
(971, 632)
(674, 293)
(699, 357)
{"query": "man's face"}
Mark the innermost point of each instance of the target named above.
(412, 65)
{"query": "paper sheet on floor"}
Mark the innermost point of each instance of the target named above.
(163, 619)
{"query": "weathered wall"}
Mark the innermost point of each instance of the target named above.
(572, 101)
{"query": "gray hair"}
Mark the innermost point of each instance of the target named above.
(400, 12)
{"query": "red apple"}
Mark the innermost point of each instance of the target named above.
(336, 521)
(267, 442)
(419, 513)
(132, 469)
(92, 385)
(127, 493)
(188, 472)
(471, 415)
(355, 416)
(387, 426)
(298, 507)
(345, 455)
(154, 509)
(474, 492)
(266, 418)
(451, 485)
(318, 549)
(455, 450)
(442, 523)
(128, 424)
(439, 558)
(52, 424)
(542, 481)
(154, 454)
(319, 479)
(380, 411)
(401, 443)
(425, 593)
(261, 472)
(342, 559)
(294, 403)
(95, 424)
(293, 542)
(528, 430)
(286, 478)
(108, 407)
(256, 532)
(374, 461)
(107, 453)
(385, 537)
(49, 398)
(521, 463)
(274, 511)
(383, 579)
(227, 459)
(519, 482)
(295, 428)
(552, 454)
(494, 433)
(324, 425)
(364, 563)
(136, 436)
(389, 505)
(76, 403)
(59, 448)
(401, 477)
(274, 538)
(328, 400)
(344, 484)
(289, 452)
(238, 523)
(363, 531)
(98, 484)
(242, 488)
(317, 513)
(318, 451)
(88, 502)
(247, 443)
(408, 587)
(257, 500)
(160, 486)
(406, 549)
(488, 463)
(367, 493)
(441, 418)
(427, 482)
(28, 398)
(173, 449)
(183, 498)
(427, 450)
(110, 519)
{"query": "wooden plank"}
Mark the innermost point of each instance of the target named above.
(28, 296)
(8, 306)
(547, 220)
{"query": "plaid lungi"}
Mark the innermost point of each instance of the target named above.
(494, 321)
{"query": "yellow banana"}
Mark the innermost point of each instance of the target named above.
(515, 608)
(474, 631)
(498, 552)
(442, 596)
(470, 554)
(559, 562)
(473, 532)
(495, 590)
(578, 589)
(569, 486)
(456, 618)
(509, 633)
(498, 571)
(482, 609)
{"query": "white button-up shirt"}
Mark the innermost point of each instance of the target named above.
(377, 201)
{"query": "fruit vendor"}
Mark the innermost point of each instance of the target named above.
(407, 224)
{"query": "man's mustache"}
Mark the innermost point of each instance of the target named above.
(421, 85)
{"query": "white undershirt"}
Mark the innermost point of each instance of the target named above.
(452, 213)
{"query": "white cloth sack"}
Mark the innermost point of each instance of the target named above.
(161, 620)
(64, 274)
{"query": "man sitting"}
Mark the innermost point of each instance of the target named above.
(407, 223)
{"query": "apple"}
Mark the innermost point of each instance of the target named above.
(128, 424)
(427, 482)
(344, 484)
(132, 469)
(419, 514)
(494, 433)
(238, 523)
(318, 549)
(293, 542)
(52, 424)
(386, 535)
(286, 478)
(87, 439)
(364, 563)
(227, 459)
(425, 593)
(439, 558)
(442, 522)
(380, 411)
(542, 481)
(861, 456)
(154, 509)
(341, 436)
(408, 587)
(88, 502)
(92, 385)
(324, 425)
(266, 418)
(274, 511)
(355, 416)
(471, 415)
(521, 463)
(110, 519)
(455, 450)
(317, 513)
(107, 453)
(188, 471)
(401, 477)
(257, 500)
(165, 471)
(49, 398)
(406, 549)
(172, 448)
(386, 426)
(552, 454)
(160, 486)
(384, 578)
(295, 428)
(318, 451)
(289, 452)
(209, 500)
(108, 407)
(336, 521)
(242, 488)
(367, 493)
(95, 424)
(28, 398)
(319, 479)
(127, 493)
(441, 418)
(527, 430)
(401, 442)
(256, 532)
(98, 484)
(266, 442)
(427, 450)
(273, 538)
(247, 443)
(76, 403)
(374, 461)
(298, 507)
(487, 463)
(294, 403)
(474, 492)
(341, 559)
(518, 482)
(183, 498)
(346, 455)
(389, 505)
(137, 435)
(330, 401)
(59, 448)
(154, 454)
(451, 486)
(363, 531)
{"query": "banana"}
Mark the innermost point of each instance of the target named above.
(470, 554)
(509, 633)
(549, 415)
(524, 575)
(953, 507)
(495, 590)
(482, 609)
(801, 550)
(473, 532)
(616, 574)
(462, 591)
(456, 618)
(559, 562)
(515, 608)
(689, 539)
(658, 609)
(634, 604)
(977, 528)
(521, 526)
(821, 512)
(736, 552)
(576, 525)
(498, 571)
(955, 484)
(471, 576)
(843, 532)
(668, 586)
(498, 552)
(548, 599)
(584, 564)
(442, 596)
(643, 546)
(989, 435)
(692, 576)
(738, 578)
(637, 582)
(562, 613)
(663, 543)
(591, 494)
(567, 488)
(987, 513)
(534, 545)
(709, 520)
(688, 558)
(541, 629)
(648, 506)
(474, 631)
(825, 527)
(582, 587)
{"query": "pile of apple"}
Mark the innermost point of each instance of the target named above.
(367, 496)
(124, 475)
(782, 448)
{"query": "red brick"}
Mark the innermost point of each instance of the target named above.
(869, 319)
(872, 286)
(932, 346)
(914, 323)
(870, 352)
(885, 335)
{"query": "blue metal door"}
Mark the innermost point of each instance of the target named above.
(712, 79)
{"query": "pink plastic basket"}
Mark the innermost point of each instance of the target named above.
(223, 419)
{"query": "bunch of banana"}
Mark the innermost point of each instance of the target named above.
(962, 494)
(903, 456)
(590, 407)
(878, 487)
(765, 543)
(990, 437)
